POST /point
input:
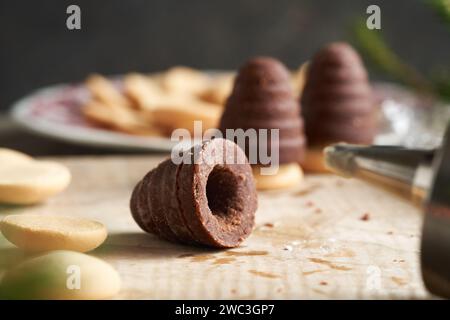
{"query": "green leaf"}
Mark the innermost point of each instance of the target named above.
(375, 48)
(442, 8)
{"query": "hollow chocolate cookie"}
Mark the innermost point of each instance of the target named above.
(209, 198)
(338, 103)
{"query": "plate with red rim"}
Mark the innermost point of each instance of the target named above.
(55, 112)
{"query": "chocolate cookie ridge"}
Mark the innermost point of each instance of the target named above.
(338, 101)
(262, 99)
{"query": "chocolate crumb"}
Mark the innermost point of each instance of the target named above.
(309, 204)
(365, 217)
(269, 225)
(390, 232)
(264, 274)
(323, 283)
(339, 183)
(306, 191)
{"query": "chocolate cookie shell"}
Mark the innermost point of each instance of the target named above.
(208, 199)
(338, 103)
(262, 98)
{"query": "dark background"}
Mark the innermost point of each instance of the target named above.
(117, 36)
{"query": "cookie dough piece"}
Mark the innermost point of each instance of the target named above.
(120, 118)
(143, 90)
(34, 232)
(166, 111)
(314, 161)
(298, 79)
(220, 88)
(184, 81)
(208, 199)
(60, 275)
(103, 90)
(288, 175)
(182, 114)
(27, 182)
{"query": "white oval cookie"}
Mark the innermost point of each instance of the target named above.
(60, 275)
(30, 181)
(314, 161)
(34, 232)
(13, 156)
(288, 175)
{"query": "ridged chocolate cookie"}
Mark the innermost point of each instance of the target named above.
(262, 98)
(338, 103)
(209, 198)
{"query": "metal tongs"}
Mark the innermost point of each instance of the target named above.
(423, 175)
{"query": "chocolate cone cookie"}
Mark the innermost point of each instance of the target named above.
(338, 104)
(262, 98)
(209, 198)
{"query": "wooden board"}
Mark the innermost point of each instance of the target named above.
(327, 238)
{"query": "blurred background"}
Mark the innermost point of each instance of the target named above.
(118, 37)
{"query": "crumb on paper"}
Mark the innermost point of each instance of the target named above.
(307, 190)
(222, 261)
(288, 248)
(251, 253)
(400, 281)
(264, 274)
(365, 217)
(267, 225)
(398, 260)
(323, 283)
(390, 232)
(309, 203)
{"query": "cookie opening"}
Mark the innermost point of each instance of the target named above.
(222, 194)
